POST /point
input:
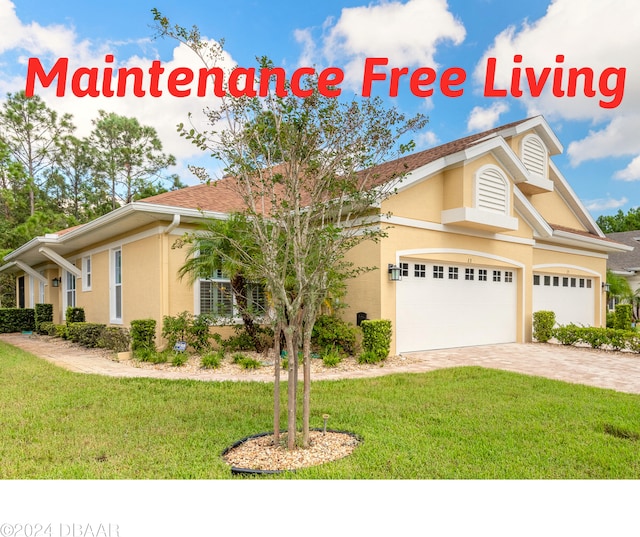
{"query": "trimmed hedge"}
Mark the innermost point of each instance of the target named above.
(43, 314)
(543, 323)
(598, 337)
(143, 335)
(75, 315)
(17, 320)
(376, 340)
(115, 338)
(86, 334)
(330, 331)
(623, 316)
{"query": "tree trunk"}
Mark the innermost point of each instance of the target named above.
(306, 392)
(276, 386)
(291, 389)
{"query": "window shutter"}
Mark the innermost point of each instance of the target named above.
(492, 191)
(534, 156)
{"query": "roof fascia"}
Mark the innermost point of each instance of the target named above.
(531, 216)
(541, 128)
(574, 203)
(565, 237)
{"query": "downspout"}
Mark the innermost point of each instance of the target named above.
(173, 225)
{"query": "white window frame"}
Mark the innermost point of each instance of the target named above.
(115, 287)
(87, 275)
(220, 278)
(41, 289)
(69, 289)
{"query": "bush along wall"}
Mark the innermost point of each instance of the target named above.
(43, 314)
(598, 337)
(543, 323)
(17, 320)
(376, 340)
(143, 335)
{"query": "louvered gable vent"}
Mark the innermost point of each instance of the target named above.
(492, 191)
(534, 156)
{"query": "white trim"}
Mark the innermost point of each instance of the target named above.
(86, 273)
(26, 268)
(60, 261)
(434, 226)
(567, 266)
(112, 288)
(545, 155)
(461, 215)
(564, 250)
(66, 275)
(480, 176)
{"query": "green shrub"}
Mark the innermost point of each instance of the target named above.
(240, 341)
(151, 356)
(623, 316)
(115, 338)
(596, 337)
(611, 319)
(43, 313)
(567, 334)
(249, 363)
(47, 329)
(238, 357)
(175, 329)
(331, 357)
(143, 334)
(369, 357)
(376, 337)
(633, 342)
(85, 334)
(212, 360)
(198, 334)
(61, 331)
(74, 315)
(618, 338)
(331, 331)
(543, 323)
(179, 359)
(17, 320)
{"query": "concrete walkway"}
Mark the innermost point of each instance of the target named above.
(615, 370)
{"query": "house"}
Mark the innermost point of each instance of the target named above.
(483, 232)
(626, 263)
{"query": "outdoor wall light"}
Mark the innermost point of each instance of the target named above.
(606, 287)
(56, 282)
(395, 274)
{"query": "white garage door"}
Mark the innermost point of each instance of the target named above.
(440, 305)
(570, 298)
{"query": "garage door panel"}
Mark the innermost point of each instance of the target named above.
(433, 313)
(571, 298)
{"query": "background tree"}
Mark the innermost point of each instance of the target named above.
(620, 221)
(128, 156)
(307, 180)
(32, 133)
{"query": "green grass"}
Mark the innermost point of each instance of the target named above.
(463, 423)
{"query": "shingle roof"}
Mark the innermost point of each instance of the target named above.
(625, 260)
(219, 196)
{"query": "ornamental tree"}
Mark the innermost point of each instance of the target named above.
(303, 172)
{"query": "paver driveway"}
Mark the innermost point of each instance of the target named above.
(616, 370)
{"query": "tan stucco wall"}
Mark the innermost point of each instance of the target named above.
(555, 211)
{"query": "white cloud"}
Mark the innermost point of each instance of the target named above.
(604, 204)
(631, 172)
(48, 43)
(589, 34)
(481, 119)
(426, 139)
(406, 33)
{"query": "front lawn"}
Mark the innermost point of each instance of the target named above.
(460, 423)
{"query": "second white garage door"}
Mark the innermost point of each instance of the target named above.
(440, 305)
(571, 298)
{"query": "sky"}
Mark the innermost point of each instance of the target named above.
(597, 127)
(601, 158)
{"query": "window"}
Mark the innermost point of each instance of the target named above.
(565, 282)
(468, 274)
(496, 275)
(438, 272)
(556, 281)
(482, 275)
(453, 273)
(69, 293)
(217, 298)
(404, 269)
(547, 280)
(508, 277)
(581, 282)
(420, 271)
(86, 273)
(116, 286)
(588, 284)
(573, 282)
(536, 279)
